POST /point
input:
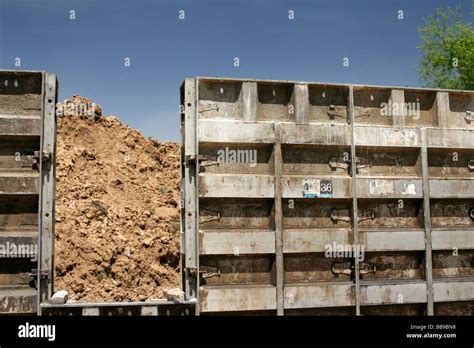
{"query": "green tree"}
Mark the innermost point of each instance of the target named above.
(447, 46)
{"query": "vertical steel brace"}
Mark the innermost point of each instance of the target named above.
(278, 222)
(355, 227)
(427, 222)
(47, 185)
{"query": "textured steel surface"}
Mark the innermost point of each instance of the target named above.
(334, 164)
(27, 149)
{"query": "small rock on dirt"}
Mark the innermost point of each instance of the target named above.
(175, 295)
(59, 297)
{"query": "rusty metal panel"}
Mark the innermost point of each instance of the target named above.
(330, 197)
(383, 294)
(226, 299)
(458, 188)
(384, 136)
(224, 131)
(393, 240)
(20, 125)
(27, 150)
(19, 184)
(389, 188)
(453, 291)
(319, 295)
(243, 242)
(453, 239)
(306, 240)
(450, 138)
(251, 186)
(17, 300)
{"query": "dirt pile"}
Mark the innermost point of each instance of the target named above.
(117, 212)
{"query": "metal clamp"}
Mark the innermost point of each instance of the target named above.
(44, 156)
(469, 117)
(342, 268)
(208, 272)
(365, 268)
(336, 111)
(34, 276)
(340, 215)
(204, 161)
(366, 215)
(338, 163)
(209, 216)
(210, 109)
(361, 112)
(362, 163)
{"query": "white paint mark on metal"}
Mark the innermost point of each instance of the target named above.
(381, 187)
(409, 189)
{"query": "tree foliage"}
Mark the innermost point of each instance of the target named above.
(447, 46)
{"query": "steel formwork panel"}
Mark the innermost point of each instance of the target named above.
(27, 184)
(402, 186)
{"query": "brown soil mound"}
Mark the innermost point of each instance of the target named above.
(117, 212)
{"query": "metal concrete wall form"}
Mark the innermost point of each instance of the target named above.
(27, 152)
(335, 165)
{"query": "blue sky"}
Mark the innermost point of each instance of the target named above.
(88, 53)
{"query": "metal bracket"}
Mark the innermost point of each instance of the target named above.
(366, 268)
(204, 160)
(207, 110)
(469, 117)
(338, 163)
(362, 163)
(366, 215)
(209, 163)
(45, 156)
(361, 112)
(342, 268)
(336, 111)
(34, 276)
(211, 216)
(192, 270)
(347, 269)
(340, 215)
(208, 272)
